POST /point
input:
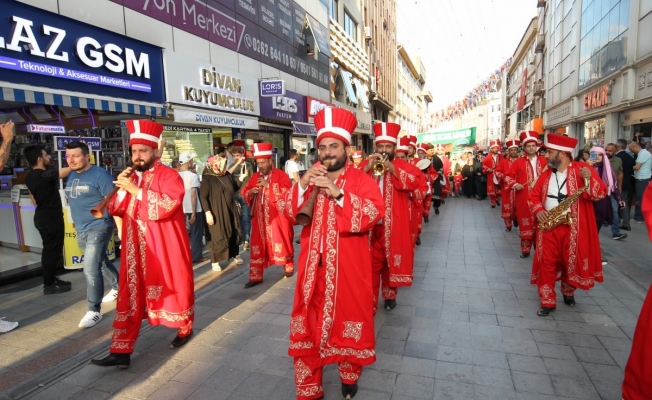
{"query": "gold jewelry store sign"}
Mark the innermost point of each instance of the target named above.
(197, 83)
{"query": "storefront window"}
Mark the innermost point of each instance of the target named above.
(594, 133)
(276, 139)
(303, 146)
(201, 141)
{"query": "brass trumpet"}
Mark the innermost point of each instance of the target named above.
(378, 166)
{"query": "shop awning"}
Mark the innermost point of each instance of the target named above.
(54, 97)
(362, 93)
(348, 84)
(301, 128)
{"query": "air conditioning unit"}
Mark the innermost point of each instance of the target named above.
(367, 33)
(372, 84)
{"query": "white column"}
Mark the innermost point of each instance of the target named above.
(612, 128)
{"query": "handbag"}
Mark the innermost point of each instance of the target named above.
(238, 207)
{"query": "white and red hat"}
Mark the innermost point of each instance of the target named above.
(337, 123)
(423, 147)
(386, 132)
(440, 147)
(560, 142)
(262, 150)
(512, 144)
(494, 143)
(413, 141)
(529, 136)
(403, 144)
(356, 154)
(142, 131)
(239, 143)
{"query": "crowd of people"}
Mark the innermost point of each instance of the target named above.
(361, 220)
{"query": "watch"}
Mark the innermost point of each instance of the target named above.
(339, 196)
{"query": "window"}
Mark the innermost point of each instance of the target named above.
(492, 108)
(350, 26)
(499, 107)
(333, 9)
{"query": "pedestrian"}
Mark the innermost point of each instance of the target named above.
(7, 132)
(522, 177)
(617, 167)
(439, 152)
(192, 206)
(468, 185)
(312, 157)
(439, 185)
(567, 252)
(240, 167)
(271, 231)
(489, 165)
(291, 166)
(392, 249)
(628, 183)
(86, 187)
(356, 156)
(43, 184)
(156, 281)
(480, 178)
(603, 207)
(637, 384)
(642, 173)
(229, 155)
(332, 315)
(507, 195)
(221, 209)
(542, 151)
(582, 156)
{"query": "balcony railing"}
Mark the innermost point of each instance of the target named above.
(538, 89)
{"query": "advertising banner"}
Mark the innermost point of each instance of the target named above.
(93, 143)
(73, 255)
(291, 107)
(44, 49)
(460, 137)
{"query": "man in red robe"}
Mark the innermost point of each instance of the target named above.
(415, 202)
(332, 315)
(521, 178)
(412, 156)
(157, 279)
(570, 253)
(440, 152)
(392, 246)
(271, 230)
(489, 165)
(356, 156)
(508, 210)
(431, 176)
(638, 372)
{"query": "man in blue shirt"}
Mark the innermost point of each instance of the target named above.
(642, 174)
(87, 185)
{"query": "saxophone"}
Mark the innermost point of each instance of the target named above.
(556, 216)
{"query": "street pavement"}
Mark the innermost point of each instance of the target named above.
(466, 329)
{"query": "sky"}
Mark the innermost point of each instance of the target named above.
(461, 42)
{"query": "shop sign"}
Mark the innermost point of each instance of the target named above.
(271, 88)
(192, 129)
(270, 31)
(212, 118)
(290, 107)
(644, 79)
(305, 129)
(460, 137)
(45, 49)
(93, 143)
(313, 106)
(45, 129)
(194, 82)
(597, 98)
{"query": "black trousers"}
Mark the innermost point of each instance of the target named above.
(52, 233)
(196, 232)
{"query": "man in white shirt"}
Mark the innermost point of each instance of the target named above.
(291, 166)
(192, 206)
(642, 174)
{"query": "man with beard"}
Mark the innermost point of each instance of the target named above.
(508, 210)
(356, 156)
(392, 246)
(416, 201)
(521, 178)
(271, 230)
(86, 187)
(569, 252)
(156, 278)
(332, 315)
(489, 166)
(617, 167)
(42, 182)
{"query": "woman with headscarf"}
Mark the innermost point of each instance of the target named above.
(468, 184)
(602, 208)
(217, 195)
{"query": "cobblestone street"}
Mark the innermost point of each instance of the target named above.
(466, 329)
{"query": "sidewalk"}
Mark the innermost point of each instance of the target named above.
(466, 329)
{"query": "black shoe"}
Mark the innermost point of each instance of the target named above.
(349, 391)
(180, 341)
(443, 202)
(251, 284)
(287, 275)
(508, 229)
(621, 236)
(426, 219)
(497, 203)
(390, 304)
(493, 206)
(297, 241)
(418, 241)
(626, 228)
(524, 255)
(121, 361)
(515, 222)
(545, 311)
(569, 301)
(436, 211)
(58, 286)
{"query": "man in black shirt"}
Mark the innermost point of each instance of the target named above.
(42, 183)
(627, 191)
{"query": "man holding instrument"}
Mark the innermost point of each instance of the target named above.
(489, 165)
(271, 231)
(332, 315)
(87, 185)
(392, 246)
(567, 249)
(156, 279)
(508, 206)
(521, 178)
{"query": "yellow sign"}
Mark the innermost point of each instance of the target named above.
(73, 256)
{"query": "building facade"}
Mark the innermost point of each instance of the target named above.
(412, 98)
(599, 69)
